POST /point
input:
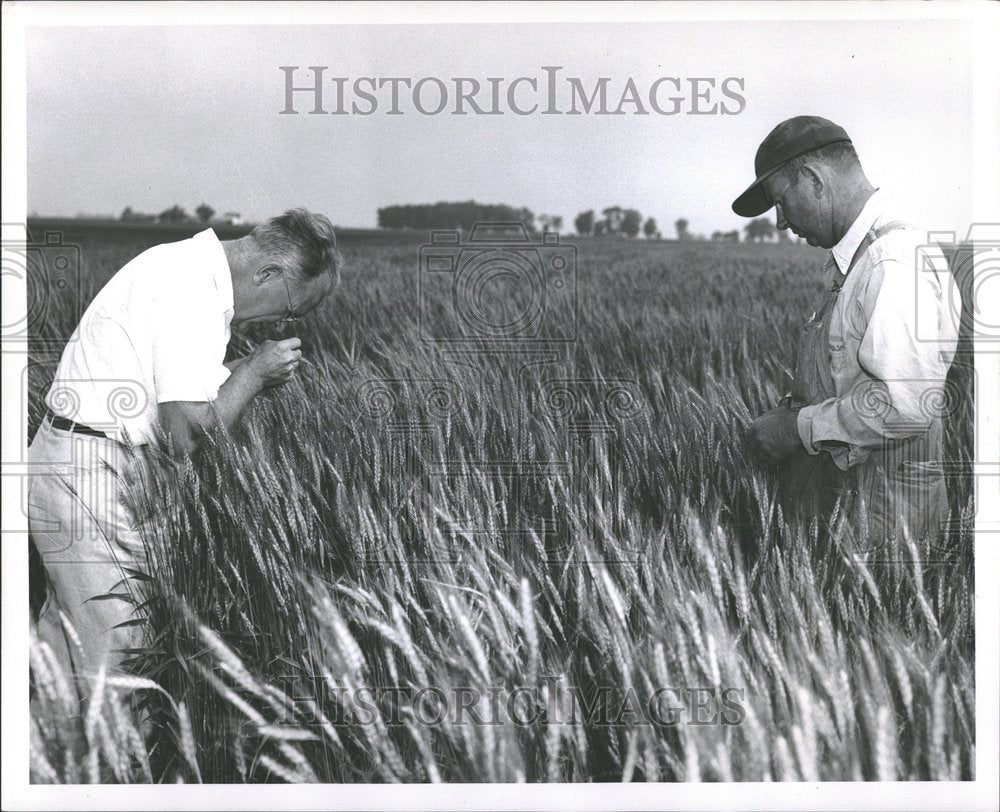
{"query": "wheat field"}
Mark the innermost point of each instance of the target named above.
(581, 533)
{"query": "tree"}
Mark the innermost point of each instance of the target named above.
(632, 222)
(649, 229)
(175, 214)
(682, 229)
(527, 217)
(726, 236)
(584, 222)
(613, 217)
(759, 229)
(130, 215)
(463, 215)
(205, 212)
(550, 222)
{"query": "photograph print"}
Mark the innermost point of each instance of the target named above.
(500, 401)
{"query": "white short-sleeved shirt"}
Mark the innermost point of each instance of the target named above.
(157, 332)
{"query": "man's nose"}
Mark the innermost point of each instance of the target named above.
(782, 222)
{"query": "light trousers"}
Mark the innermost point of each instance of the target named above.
(89, 548)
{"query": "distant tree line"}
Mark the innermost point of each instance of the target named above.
(616, 221)
(761, 230)
(177, 215)
(726, 236)
(462, 216)
(758, 230)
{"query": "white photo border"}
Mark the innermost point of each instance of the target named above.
(19, 794)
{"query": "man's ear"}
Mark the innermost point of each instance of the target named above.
(814, 176)
(264, 273)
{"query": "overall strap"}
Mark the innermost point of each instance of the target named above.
(872, 235)
(813, 381)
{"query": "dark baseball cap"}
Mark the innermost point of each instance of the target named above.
(789, 139)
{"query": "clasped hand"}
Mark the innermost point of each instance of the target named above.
(275, 362)
(775, 434)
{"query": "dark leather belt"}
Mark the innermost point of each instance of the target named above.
(63, 424)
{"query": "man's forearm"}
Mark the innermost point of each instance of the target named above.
(242, 386)
(867, 416)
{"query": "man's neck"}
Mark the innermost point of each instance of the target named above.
(855, 198)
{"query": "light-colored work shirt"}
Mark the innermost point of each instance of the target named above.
(156, 332)
(893, 335)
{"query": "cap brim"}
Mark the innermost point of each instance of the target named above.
(753, 201)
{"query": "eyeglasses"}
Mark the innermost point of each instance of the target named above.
(292, 316)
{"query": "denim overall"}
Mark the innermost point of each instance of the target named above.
(900, 484)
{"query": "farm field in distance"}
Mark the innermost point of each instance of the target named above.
(433, 561)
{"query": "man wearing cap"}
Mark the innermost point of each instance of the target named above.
(862, 423)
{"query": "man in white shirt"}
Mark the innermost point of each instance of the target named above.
(145, 369)
(863, 422)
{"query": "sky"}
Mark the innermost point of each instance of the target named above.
(152, 116)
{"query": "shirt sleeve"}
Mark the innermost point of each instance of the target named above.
(901, 368)
(189, 347)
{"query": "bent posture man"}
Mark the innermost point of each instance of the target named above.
(157, 333)
(863, 422)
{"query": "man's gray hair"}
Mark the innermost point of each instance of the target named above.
(300, 242)
(838, 155)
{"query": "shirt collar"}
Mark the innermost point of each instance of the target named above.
(843, 251)
(221, 273)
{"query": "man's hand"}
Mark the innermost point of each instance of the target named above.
(775, 435)
(274, 362)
